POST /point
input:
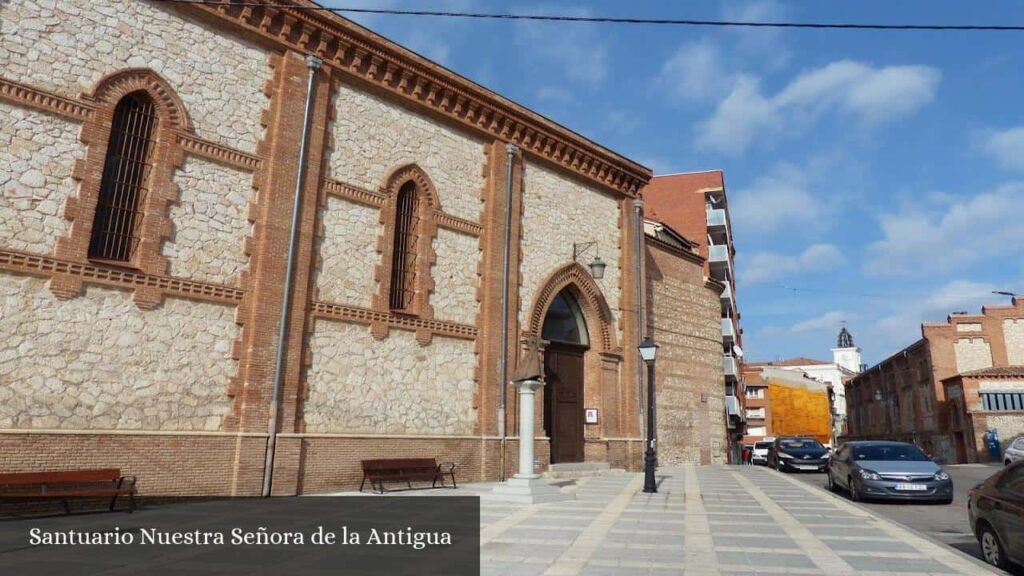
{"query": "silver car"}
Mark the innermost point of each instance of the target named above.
(888, 470)
(1014, 452)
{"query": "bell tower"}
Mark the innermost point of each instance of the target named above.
(846, 354)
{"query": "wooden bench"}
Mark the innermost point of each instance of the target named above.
(405, 470)
(65, 485)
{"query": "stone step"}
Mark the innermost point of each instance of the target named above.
(577, 469)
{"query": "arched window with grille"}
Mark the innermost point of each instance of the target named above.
(125, 181)
(404, 247)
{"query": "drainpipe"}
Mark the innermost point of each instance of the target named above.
(510, 150)
(638, 205)
(313, 63)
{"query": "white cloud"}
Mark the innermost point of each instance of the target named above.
(695, 72)
(959, 295)
(779, 199)
(578, 50)
(830, 322)
(822, 257)
(760, 267)
(1006, 147)
(870, 95)
(985, 227)
(739, 118)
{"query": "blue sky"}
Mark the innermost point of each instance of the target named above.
(874, 177)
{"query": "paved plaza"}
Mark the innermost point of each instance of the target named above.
(728, 521)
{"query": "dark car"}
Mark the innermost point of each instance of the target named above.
(797, 453)
(888, 470)
(996, 511)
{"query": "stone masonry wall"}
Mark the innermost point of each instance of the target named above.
(348, 251)
(392, 386)
(98, 362)
(37, 152)
(373, 136)
(686, 324)
(210, 223)
(66, 46)
(972, 354)
(558, 211)
(1013, 334)
(455, 278)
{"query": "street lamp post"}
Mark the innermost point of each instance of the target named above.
(648, 351)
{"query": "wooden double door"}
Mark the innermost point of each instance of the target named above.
(563, 401)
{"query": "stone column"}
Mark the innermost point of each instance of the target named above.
(527, 391)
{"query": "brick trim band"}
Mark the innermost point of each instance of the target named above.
(367, 316)
(37, 99)
(377, 200)
(52, 267)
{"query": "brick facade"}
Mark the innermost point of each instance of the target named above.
(968, 417)
(912, 404)
(184, 403)
(683, 313)
(695, 205)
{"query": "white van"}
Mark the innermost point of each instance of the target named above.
(760, 452)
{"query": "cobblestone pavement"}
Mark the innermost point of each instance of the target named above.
(712, 521)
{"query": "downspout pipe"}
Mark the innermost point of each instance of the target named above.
(638, 205)
(510, 150)
(313, 63)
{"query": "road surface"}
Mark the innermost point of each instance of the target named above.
(945, 523)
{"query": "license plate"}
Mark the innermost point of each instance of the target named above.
(800, 467)
(911, 487)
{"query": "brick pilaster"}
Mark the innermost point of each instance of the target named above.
(271, 214)
(489, 320)
(629, 423)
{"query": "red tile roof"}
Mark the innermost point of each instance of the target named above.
(995, 371)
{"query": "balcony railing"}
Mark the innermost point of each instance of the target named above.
(732, 406)
(728, 331)
(716, 218)
(718, 254)
(729, 366)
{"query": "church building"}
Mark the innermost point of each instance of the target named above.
(243, 247)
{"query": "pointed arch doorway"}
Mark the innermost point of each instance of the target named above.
(565, 330)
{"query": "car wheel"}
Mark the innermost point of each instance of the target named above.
(991, 549)
(854, 490)
(832, 487)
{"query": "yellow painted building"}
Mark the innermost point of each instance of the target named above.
(800, 406)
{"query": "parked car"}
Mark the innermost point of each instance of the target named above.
(888, 470)
(1014, 452)
(760, 454)
(996, 511)
(797, 453)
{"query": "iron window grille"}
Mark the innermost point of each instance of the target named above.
(403, 262)
(125, 181)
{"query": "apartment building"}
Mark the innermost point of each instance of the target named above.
(696, 205)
